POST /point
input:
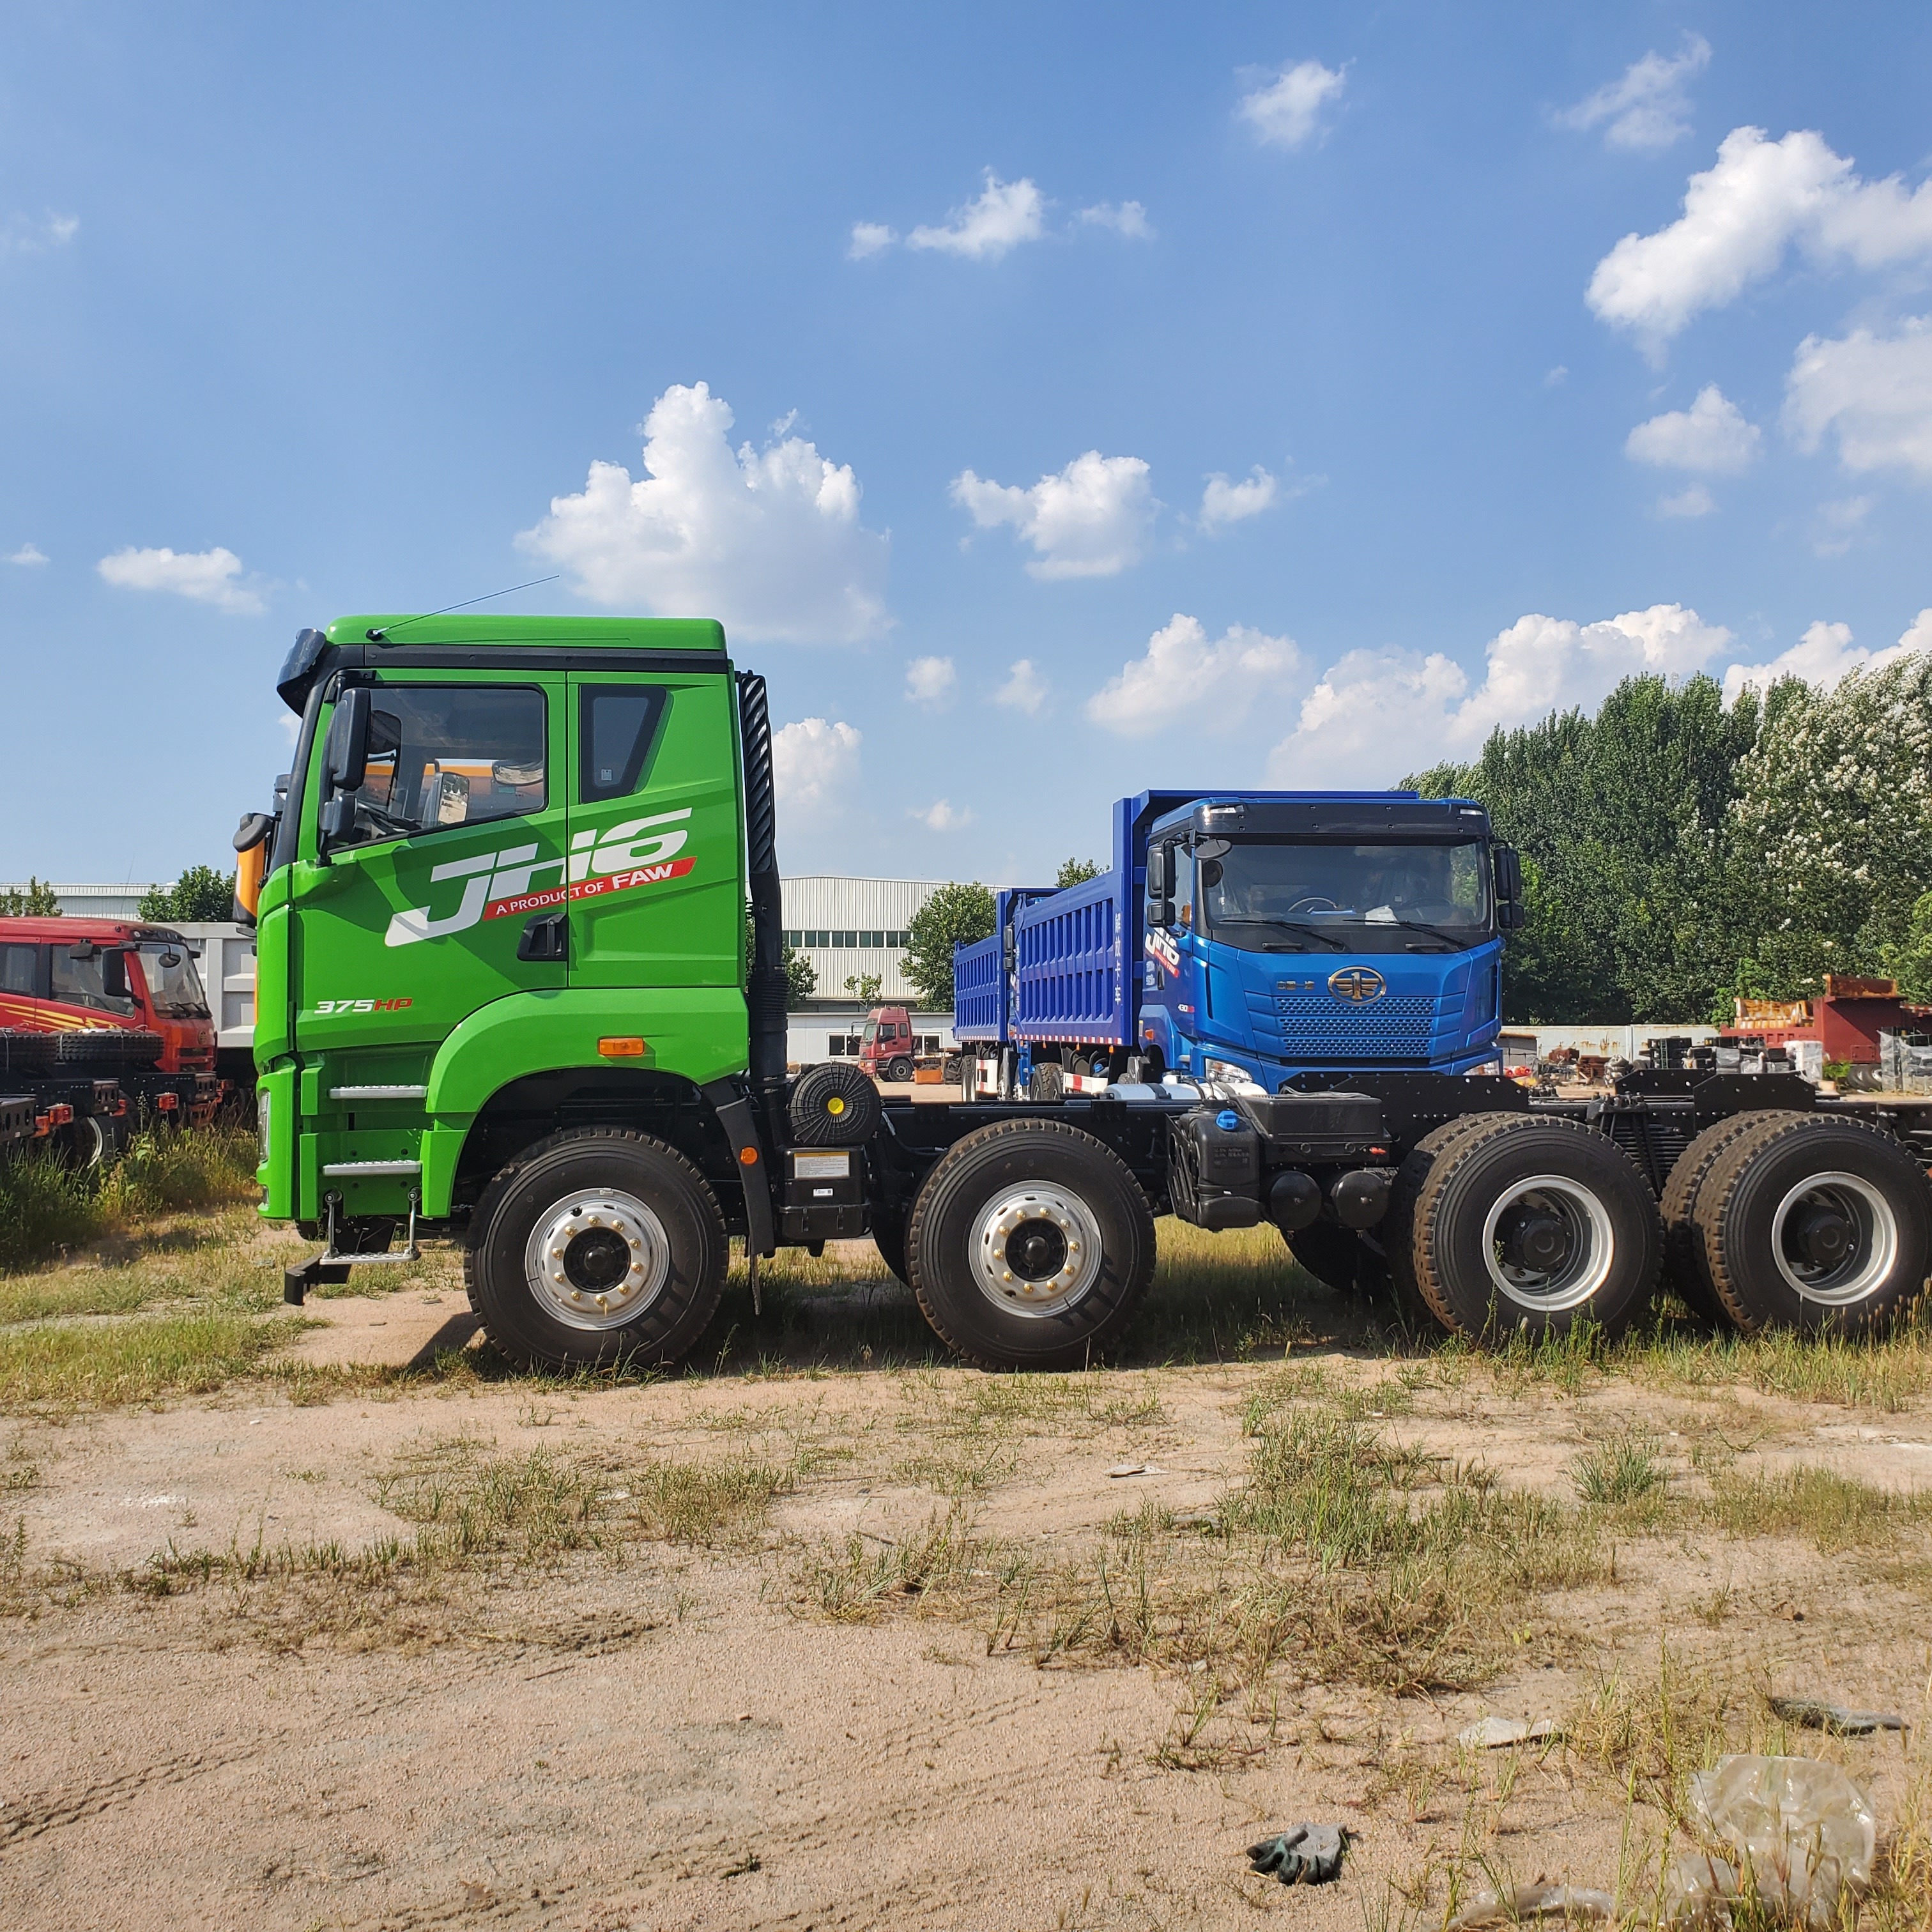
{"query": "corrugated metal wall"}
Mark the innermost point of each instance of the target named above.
(849, 927)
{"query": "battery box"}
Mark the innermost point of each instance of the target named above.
(824, 1194)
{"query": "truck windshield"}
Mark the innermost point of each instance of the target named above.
(1358, 898)
(871, 1033)
(175, 990)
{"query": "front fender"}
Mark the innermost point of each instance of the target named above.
(700, 1033)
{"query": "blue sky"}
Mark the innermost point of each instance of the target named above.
(303, 313)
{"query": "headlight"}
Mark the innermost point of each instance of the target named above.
(262, 1098)
(1483, 1069)
(1229, 1075)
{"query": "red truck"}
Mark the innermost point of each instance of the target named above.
(101, 1021)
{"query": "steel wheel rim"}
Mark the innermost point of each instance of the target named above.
(597, 1260)
(1013, 1241)
(1592, 1246)
(1874, 1250)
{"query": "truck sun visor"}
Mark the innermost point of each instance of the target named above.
(299, 669)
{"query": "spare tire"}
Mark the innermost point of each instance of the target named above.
(834, 1104)
(21, 1051)
(108, 1046)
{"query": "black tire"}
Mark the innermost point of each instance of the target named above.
(899, 1070)
(1046, 1082)
(888, 1237)
(834, 1104)
(91, 1142)
(108, 1046)
(949, 1068)
(1750, 1215)
(558, 1183)
(21, 1051)
(954, 1245)
(1594, 1219)
(1685, 1267)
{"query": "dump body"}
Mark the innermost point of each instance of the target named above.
(1088, 976)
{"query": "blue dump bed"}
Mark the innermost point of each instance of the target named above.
(983, 991)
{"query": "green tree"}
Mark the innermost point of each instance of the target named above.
(37, 901)
(201, 893)
(1076, 872)
(956, 915)
(864, 987)
(1909, 962)
(801, 978)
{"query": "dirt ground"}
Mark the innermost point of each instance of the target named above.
(698, 1730)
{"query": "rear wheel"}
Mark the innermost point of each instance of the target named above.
(1046, 1082)
(1686, 1268)
(1817, 1223)
(599, 1245)
(1030, 1245)
(1506, 1223)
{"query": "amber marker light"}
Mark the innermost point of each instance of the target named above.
(621, 1049)
(748, 1156)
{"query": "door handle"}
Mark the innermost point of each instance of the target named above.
(545, 937)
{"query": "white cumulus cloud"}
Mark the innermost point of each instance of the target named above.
(1223, 502)
(931, 681)
(1090, 521)
(22, 235)
(1006, 214)
(1024, 689)
(767, 541)
(1376, 714)
(815, 765)
(1761, 198)
(1711, 436)
(1824, 655)
(1285, 110)
(942, 815)
(869, 237)
(207, 576)
(1837, 523)
(1127, 217)
(1696, 501)
(29, 554)
(1873, 393)
(1180, 672)
(1647, 107)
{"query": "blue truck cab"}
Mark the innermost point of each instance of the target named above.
(1249, 937)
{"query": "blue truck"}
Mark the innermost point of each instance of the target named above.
(1248, 937)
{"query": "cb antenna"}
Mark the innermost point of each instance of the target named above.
(382, 636)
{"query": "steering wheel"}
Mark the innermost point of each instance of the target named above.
(1313, 902)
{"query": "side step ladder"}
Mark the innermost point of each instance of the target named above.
(331, 1269)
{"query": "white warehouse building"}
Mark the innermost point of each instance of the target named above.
(849, 928)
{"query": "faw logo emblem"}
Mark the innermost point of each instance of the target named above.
(1357, 985)
(499, 885)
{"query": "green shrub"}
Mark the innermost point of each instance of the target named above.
(44, 1206)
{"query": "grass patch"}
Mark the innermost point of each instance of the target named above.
(60, 1364)
(1622, 1470)
(1831, 1511)
(47, 1207)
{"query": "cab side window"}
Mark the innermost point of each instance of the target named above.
(19, 970)
(450, 754)
(617, 730)
(84, 982)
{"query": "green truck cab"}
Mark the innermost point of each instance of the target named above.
(503, 903)
(520, 982)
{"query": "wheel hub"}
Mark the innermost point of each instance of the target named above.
(598, 1260)
(1835, 1238)
(1548, 1243)
(1035, 1249)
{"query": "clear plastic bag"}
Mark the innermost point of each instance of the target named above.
(1800, 1833)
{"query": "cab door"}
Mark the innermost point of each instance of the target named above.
(421, 916)
(656, 887)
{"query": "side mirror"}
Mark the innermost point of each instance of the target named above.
(86, 949)
(170, 959)
(346, 756)
(1160, 912)
(345, 763)
(255, 827)
(114, 975)
(1511, 913)
(1157, 872)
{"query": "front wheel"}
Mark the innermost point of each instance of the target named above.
(899, 1071)
(599, 1245)
(1030, 1245)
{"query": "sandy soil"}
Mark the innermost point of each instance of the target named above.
(675, 1739)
